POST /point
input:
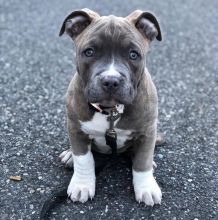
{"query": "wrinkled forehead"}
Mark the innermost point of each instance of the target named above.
(112, 32)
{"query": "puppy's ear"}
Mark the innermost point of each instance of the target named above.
(146, 23)
(75, 23)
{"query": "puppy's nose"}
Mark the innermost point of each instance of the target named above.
(110, 83)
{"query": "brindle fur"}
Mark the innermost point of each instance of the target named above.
(114, 36)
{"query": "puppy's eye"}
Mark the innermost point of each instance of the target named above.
(89, 52)
(133, 55)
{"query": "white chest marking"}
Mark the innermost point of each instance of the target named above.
(97, 127)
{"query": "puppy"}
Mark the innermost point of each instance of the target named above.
(111, 75)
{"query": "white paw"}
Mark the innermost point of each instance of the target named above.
(82, 184)
(146, 188)
(67, 158)
(81, 191)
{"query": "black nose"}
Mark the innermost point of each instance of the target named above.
(110, 83)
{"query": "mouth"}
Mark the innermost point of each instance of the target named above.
(109, 103)
(94, 95)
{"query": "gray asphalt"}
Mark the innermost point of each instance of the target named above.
(35, 69)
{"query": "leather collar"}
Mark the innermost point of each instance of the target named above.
(105, 110)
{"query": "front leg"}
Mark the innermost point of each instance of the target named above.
(82, 184)
(145, 186)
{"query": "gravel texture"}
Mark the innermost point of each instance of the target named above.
(35, 69)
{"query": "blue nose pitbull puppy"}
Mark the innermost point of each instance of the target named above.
(111, 73)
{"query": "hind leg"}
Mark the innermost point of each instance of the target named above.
(66, 158)
(160, 139)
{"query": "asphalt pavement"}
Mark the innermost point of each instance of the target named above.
(35, 69)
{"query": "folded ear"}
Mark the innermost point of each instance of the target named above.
(146, 23)
(75, 23)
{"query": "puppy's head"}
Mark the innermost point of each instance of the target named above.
(111, 52)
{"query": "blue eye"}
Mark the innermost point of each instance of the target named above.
(89, 52)
(133, 55)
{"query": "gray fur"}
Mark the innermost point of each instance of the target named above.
(113, 38)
